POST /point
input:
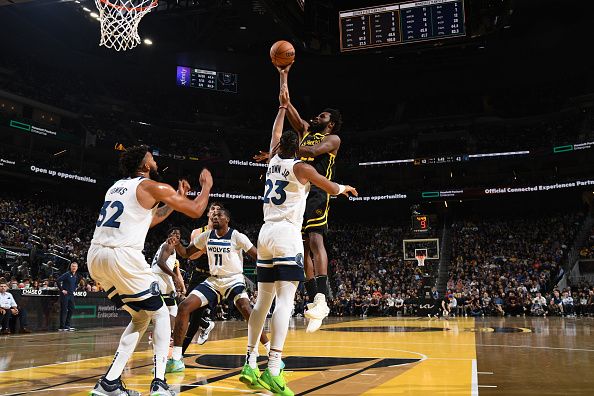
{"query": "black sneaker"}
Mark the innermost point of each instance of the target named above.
(117, 388)
(160, 388)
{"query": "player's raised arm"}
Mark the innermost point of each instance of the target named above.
(279, 121)
(164, 211)
(307, 173)
(298, 124)
(161, 192)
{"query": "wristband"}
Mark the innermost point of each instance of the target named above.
(341, 189)
(282, 107)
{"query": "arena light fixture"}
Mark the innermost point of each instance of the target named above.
(86, 9)
(148, 41)
(94, 15)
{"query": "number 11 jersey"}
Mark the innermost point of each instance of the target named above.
(122, 221)
(225, 257)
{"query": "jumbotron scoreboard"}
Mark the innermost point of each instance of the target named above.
(402, 23)
(213, 80)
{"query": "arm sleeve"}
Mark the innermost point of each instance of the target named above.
(200, 240)
(242, 241)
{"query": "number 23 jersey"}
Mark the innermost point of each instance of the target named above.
(284, 195)
(122, 221)
(225, 255)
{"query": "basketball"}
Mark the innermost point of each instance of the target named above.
(282, 53)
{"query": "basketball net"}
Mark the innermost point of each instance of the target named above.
(421, 259)
(119, 22)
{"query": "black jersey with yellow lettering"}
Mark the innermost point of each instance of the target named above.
(315, 218)
(199, 269)
(324, 163)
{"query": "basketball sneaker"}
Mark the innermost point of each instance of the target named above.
(203, 336)
(275, 384)
(160, 388)
(174, 366)
(317, 313)
(117, 388)
(249, 377)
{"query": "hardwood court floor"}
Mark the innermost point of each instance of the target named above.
(373, 356)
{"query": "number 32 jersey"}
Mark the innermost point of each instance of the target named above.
(122, 222)
(284, 195)
(225, 257)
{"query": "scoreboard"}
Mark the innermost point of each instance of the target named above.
(206, 79)
(402, 23)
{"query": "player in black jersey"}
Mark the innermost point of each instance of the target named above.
(199, 272)
(319, 147)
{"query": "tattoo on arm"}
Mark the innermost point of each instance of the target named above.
(164, 211)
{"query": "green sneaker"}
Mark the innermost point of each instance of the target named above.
(175, 366)
(249, 377)
(276, 385)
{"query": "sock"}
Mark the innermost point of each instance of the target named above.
(251, 357)
(311, 288)
(161, 335)
(322, 285)
(279, 324)
(128, 342)
(274, 362)
(177, 353)
(258, 317)
(267, 347)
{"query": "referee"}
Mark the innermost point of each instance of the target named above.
(67, 284)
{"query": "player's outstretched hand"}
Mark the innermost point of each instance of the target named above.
(183, 187)
(351, 190)
(205, 179)
(283, 96)
(262, 156)
(284, 69)
(173, 241)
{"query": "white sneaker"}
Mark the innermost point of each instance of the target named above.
(203, 337)
(317, 313)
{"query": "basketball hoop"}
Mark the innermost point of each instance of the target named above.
(420, 259)
(119, 21)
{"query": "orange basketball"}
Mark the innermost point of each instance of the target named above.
(282, 53)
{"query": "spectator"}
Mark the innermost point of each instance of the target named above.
(539, 304)
(10, 312)
(567, 301)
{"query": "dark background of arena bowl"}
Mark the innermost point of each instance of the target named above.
(522, 78)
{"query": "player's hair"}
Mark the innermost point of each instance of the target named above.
(289, 143)
(226, 212)
(174, 228)
(131, 159)
(215, 203)
(336, 118)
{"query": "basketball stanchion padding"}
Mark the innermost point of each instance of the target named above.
(119, 22)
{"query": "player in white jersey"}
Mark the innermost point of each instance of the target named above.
(166, 268)
(224, 247)
(280, 249)
(116, 261)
